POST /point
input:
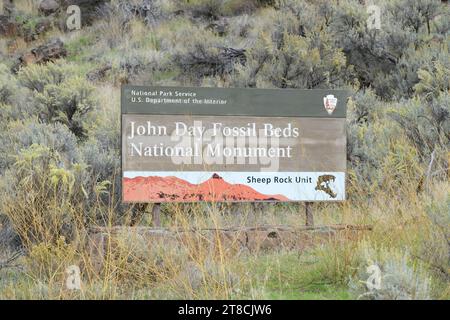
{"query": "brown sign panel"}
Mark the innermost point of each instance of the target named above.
(252, 156)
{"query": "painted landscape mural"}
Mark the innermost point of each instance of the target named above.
(142, 189)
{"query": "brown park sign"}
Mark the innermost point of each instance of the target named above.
(212, 144)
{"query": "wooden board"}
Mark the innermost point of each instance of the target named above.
(213, 144)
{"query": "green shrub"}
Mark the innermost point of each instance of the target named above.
(22, 134)
(436, 249)
(399, 279)
(37, 76)
(14, 99)
(367, 139)
(61, 95)
(415, 14)
(68, 103)
(427, 126)
(210, 9)
(198, 53)
(43, 199)
(291, 57)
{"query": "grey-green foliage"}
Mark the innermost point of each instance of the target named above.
(61, 95)
(210, 9)
(8, 85)
(150, 11)
(427, 126)
(402, 82)
(434, 78)
(416, 14)
(437, 249)
(141, 66)
(116, 18)
(103, 165)
(31, 106)
(9, 239)
(23, 134)
(399, 279)
(401, 282)
(37, 77)
(48, 108)
(67, 103)
(199, 53)
(41, 189)
(367, 140)
(304, 44)
(14, 99)
(383, 56)
(426, 119)
(374, 53)
(285, 54)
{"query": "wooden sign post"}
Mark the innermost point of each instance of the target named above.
(309, 221)
(232, 145)
(156, 215)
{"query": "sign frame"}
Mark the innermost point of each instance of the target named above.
(287, 108)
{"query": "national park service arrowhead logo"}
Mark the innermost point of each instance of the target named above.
(330, 102)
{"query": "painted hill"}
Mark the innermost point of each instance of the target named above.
(142, 189)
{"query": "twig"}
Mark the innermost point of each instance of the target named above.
(436, 267)
(430, 166)
(8, 261)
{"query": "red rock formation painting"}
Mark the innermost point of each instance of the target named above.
(163, 189)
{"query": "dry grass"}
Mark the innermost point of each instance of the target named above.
(27, 6)
(134, 268)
